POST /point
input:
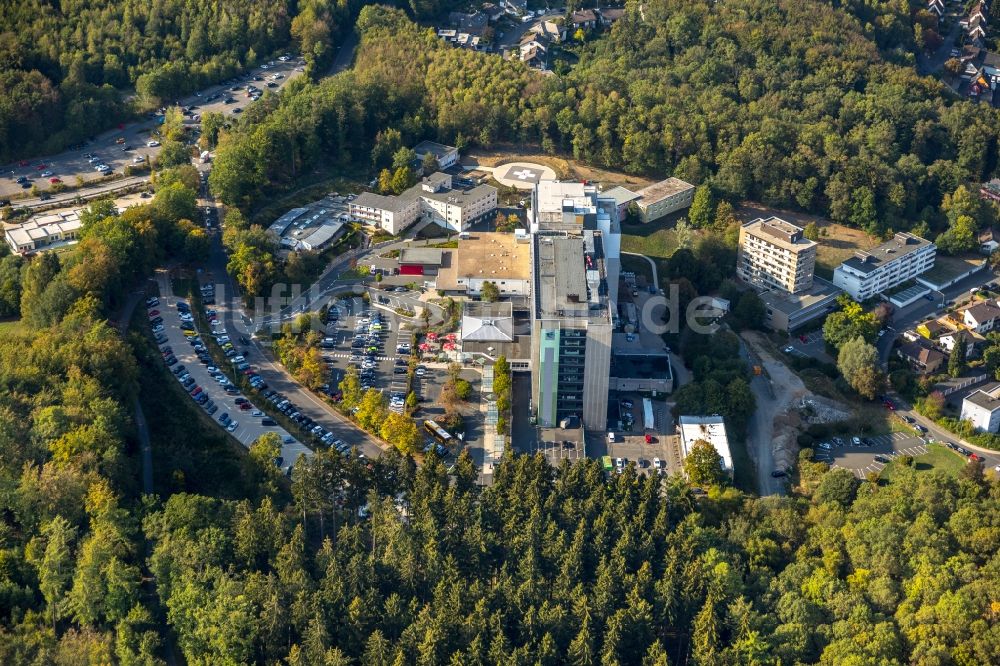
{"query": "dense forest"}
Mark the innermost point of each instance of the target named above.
(67, 68)
(794, 104)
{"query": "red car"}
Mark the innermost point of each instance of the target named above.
(153, 313)
(40, 167)
(23, 163)
(803, 338)
(973, 456)
(245, 406)
(888, 405)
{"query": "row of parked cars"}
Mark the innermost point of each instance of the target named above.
(308, 425)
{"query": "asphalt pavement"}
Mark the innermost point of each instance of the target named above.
(71, 164)
(249, 428)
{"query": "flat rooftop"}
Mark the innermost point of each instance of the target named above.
(789, 304)
(711, 429)
(427, 256)
(902, 244)
(663, 189)
(492, 256)
(552, 194)
(987, 397)
(560, 278)
(779, 232)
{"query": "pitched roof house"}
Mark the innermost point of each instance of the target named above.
(981, 317)
(921, 357)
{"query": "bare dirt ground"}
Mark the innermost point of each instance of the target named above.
(564, 167)
(779, 420)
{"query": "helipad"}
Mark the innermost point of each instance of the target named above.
(522, 175)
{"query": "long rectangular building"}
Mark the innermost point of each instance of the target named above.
(871, 272)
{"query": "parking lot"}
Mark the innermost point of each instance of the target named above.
(184, 349)
(110, 147)
(860, 456)
(808, 345)
(557, 445)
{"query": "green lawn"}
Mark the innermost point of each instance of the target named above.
(12, 327)
(649, 239)
(938, 457)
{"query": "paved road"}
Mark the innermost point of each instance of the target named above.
(345, 54)
(760, 428)
(928, 64)
(230, 311)
(912, 315)
(249, 428)
(992, 458)
(71, 164)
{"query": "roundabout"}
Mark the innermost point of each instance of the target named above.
(522, 175)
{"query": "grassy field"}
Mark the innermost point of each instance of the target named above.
(649, 239)
(12, 327)
(937, 457)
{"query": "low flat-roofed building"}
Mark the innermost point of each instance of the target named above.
(482, 257)
(665, 197)
(711, 429)
(44, 231)
(871, 272)
(622, 197)
(446, 155)
(982, 408)
(638, 367)
(328, 232)
(421, 260)
(491, 330)
(787, 312)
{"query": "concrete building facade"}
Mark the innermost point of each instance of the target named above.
(433, 199)
(571, 332)
(775, 254)
(871, 272)
(982, 408)
(665, 197)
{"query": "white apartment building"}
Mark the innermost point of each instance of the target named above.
(774, 254)
(872, 272)
(432, 199)
(393, 214)
(982, 408)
